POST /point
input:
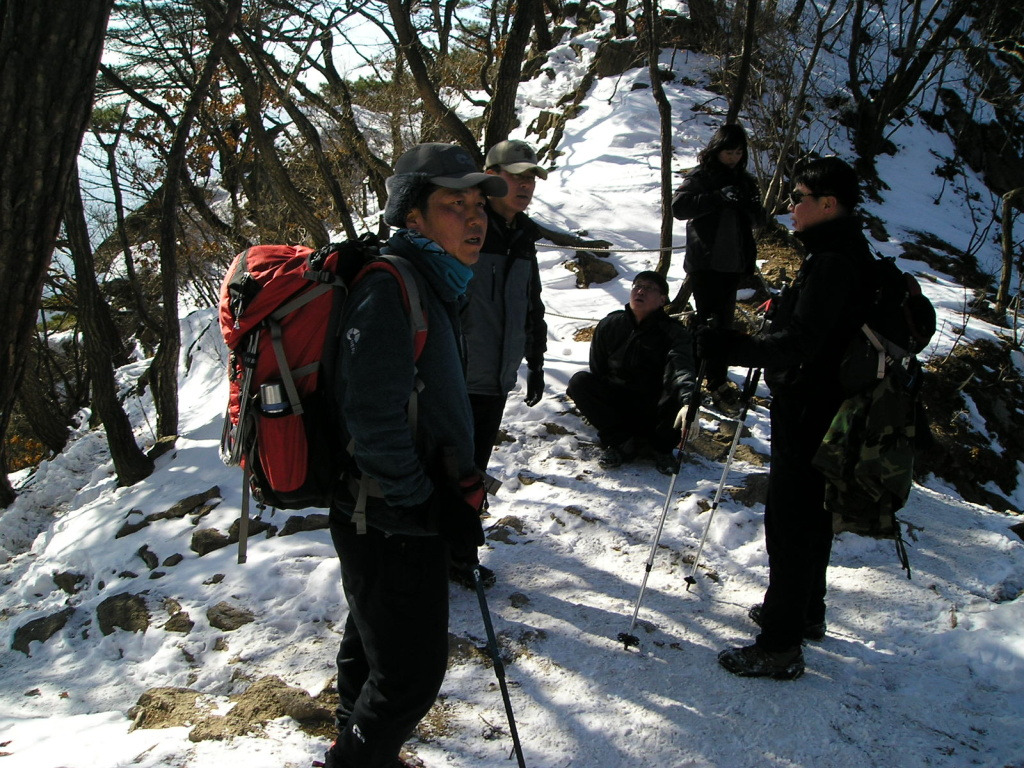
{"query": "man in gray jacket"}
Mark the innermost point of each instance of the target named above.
(504, 317)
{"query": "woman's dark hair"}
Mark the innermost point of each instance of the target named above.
(731, 136)
(830, 176)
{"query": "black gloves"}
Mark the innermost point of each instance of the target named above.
(716, 343)
(730, 194)
(534, 386)
(457, 511)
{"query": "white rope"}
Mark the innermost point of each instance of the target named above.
(584, 247)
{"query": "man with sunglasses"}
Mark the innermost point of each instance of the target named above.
(800, 353)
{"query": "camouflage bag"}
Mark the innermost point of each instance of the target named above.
(867, 458)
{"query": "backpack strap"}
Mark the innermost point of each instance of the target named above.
(879, 348)
(400, 269)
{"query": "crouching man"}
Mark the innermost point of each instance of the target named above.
(640, 378)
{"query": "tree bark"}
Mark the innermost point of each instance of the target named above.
(101, 347)
(740, 92)
(49, 53)
(1006, 274)
(665, 122)
(501, 112)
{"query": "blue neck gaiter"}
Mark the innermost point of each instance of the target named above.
(453, 272)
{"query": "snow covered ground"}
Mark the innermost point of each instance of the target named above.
(921, 672)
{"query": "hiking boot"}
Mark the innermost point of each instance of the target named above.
(815, 632)
(610, 458)
(726, 398)
(666, 463)
(404, 760)
(755, 661)
(463, 576)
(614, 456)
(409, 760)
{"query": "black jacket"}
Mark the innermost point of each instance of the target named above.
(653, 358)
(719, 234)
(815, 318)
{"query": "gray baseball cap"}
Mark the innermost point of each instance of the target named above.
(443, 165)
(514, 156)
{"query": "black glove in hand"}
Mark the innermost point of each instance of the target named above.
(716, 343)
(534, 386)
(458, 522)
(730, 194)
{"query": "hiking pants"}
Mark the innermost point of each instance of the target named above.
(798, 529)
(619, 414)
(487, 413)
(394, 651)
(714, 293)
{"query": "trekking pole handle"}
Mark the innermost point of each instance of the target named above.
(691, 412)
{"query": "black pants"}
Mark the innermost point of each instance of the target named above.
(798, 529)
(394, 651)
(619, 414)
(487, 413)
(714, 293)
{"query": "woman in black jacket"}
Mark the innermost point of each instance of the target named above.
(722, 203)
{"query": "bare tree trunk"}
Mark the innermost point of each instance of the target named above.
(274, 77)
(744, 74)
(665, 122)
(1006, 274)
(40, 405)
(545, 41)
(101, 348)
(412, 51)
(621, 19)
(501, 111)
(164, 369)
(49, 53)
(886, 100)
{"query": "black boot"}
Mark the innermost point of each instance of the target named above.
(755, 661)
(813, 631)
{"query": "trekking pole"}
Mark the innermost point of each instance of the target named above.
(499, 668)
(628, 638)
(749, 387)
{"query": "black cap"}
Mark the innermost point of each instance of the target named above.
(444, 165)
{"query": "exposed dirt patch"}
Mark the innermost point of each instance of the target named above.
(979, 378)
(944, 257)
(267, 699)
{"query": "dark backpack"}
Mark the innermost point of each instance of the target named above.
(867, 456)
(899, 322)
(276, 305)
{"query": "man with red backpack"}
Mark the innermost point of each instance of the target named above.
(428, 493)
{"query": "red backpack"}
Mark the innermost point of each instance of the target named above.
(276, 305)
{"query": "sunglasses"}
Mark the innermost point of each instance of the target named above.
(795, 198)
